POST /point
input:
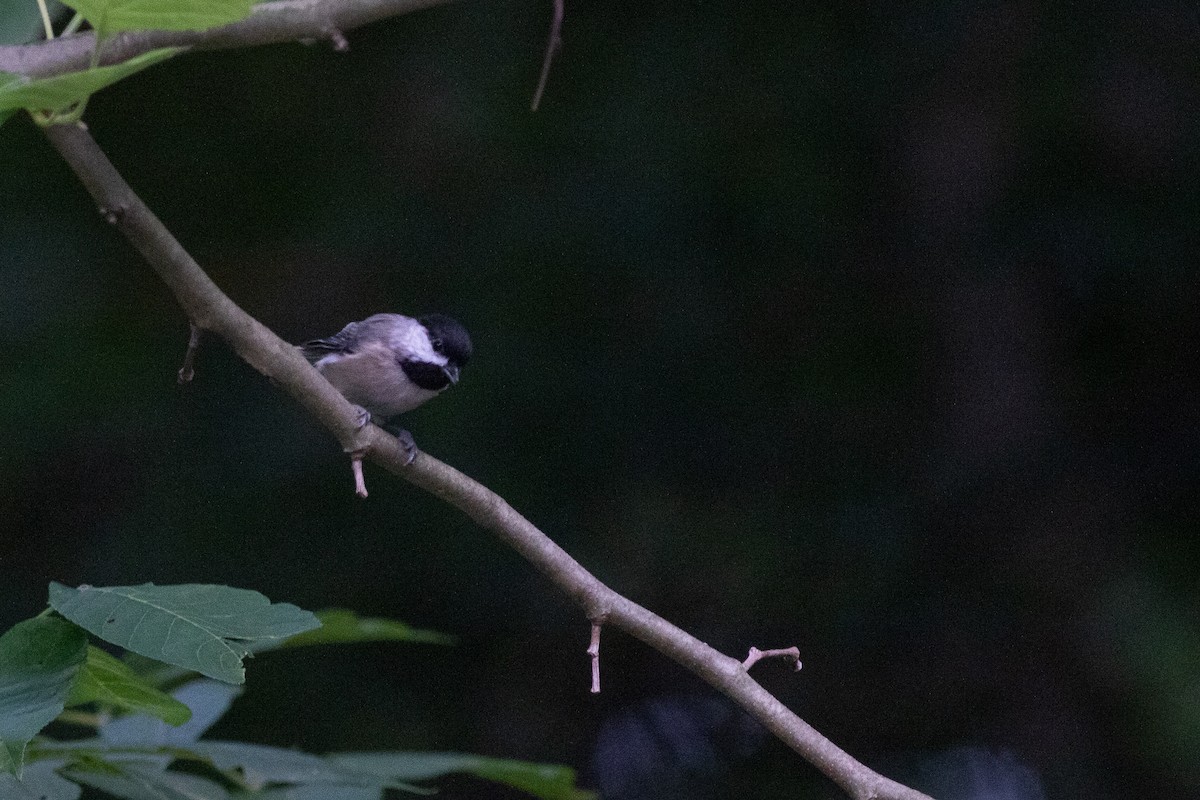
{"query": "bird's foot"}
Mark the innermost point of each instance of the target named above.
(362, 417)
(407, 443)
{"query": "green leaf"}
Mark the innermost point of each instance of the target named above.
(547, 781)
(39, 781)
(261, 765)
(339, 626)
(317, 792)
(6, 113)
(201, 627)
(207, 700)
(61, 91)
(97, 755)
(137, 782)
(106, 680)
(39, 659)
(114, 16)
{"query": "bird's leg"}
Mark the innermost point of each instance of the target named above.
(407, 444)
(362, 418)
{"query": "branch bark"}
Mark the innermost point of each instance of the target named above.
(209, 309)
(282, 21)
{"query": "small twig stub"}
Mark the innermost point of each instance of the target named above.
(188, 371)
(360, 484)
(594, 651)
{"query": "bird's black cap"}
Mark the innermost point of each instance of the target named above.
(448, 337)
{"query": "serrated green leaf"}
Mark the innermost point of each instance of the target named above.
(39, 659)
(201, 627)
(61, 91)
(340, 626)
(115, 16)
(547, 781)
(106, 680)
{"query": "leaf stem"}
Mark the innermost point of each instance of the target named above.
(46, 19)
(73, 26)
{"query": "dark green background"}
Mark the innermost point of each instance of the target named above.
(870, 330)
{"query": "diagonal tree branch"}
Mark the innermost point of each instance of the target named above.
(210, 309)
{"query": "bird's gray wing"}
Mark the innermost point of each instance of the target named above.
(341, 342)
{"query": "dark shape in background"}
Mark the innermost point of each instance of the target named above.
(871, 330)
(974, 773)
(672, 746)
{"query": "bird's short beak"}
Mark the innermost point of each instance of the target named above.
(451, 373)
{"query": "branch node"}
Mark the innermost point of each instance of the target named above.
(790, 653)
(594, 651)
(337, 39)
(187, 371)
(112, 215)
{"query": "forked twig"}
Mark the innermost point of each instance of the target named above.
(756, 655)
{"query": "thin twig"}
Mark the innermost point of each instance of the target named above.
(553, 44)
(45, 12)
(207, 306)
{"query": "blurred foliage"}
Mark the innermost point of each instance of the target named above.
(865, 328)
(139, 732)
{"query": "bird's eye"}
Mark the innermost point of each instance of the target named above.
(437, 345)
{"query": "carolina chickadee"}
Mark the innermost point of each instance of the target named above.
(389, 363)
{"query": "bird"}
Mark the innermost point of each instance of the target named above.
(388, 364)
